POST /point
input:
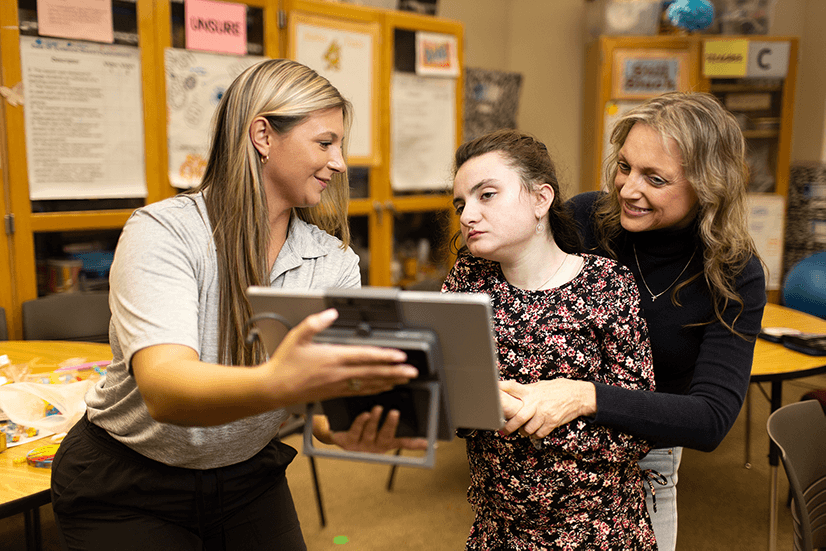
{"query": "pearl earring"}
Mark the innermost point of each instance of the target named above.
(264, 159)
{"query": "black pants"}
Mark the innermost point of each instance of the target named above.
(107, 496)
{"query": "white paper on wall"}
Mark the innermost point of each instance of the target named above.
(423, 132)
(345, 58)
(195, 83)
(83, 119)
(766, 222)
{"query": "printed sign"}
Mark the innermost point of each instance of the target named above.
(768, 59)
(725, 58)
(83, 119)
(640, 74)
(78, 19)
(437, 55)
(216, 26)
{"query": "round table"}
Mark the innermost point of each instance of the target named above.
(24, 488)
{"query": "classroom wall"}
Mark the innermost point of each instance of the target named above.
(545, 41)
(806, 19)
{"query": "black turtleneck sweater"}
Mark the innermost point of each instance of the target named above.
(701, 372)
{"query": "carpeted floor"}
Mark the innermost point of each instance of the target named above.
(723, 506)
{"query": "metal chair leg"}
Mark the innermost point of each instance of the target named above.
(392, 476)
(318, 499)
(747, 462)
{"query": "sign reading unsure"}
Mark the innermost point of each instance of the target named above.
(216, 26)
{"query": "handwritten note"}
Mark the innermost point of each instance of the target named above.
(216, 26)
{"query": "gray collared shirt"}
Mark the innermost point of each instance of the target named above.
(164, 290)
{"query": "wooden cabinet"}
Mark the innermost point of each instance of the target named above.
(753, 76)
(403, 234)
(384, 222)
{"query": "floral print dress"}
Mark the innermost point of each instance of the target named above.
(580, 487)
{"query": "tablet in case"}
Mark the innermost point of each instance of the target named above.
(447, 336)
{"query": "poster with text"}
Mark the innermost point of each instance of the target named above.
(83, 119)
(423, 132)
(195, 83)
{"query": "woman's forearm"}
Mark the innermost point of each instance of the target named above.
(185, 391)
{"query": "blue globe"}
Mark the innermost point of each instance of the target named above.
(805, 286)
(692, 15)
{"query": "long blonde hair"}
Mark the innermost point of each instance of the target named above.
(285, 93)
(712, 149)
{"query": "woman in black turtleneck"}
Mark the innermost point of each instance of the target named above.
(675, 214)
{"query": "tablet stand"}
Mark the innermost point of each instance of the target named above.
(377, 320)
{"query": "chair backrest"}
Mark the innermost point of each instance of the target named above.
(82, 316)
(799, 430)
(803, 287)
(4, 330)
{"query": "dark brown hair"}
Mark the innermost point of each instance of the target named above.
(530, 159)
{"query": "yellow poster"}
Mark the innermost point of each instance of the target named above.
(725, 58)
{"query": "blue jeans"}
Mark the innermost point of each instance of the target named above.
(666, 462)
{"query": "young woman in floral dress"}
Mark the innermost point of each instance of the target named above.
(557, 313)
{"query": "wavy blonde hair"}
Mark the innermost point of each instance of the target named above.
(286, 93)
(712, 149)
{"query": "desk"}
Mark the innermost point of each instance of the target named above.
(23, 488)
(774, 363)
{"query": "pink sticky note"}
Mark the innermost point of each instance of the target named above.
(78, 19)
(216, 26)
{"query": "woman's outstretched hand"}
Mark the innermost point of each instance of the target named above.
(305, 371)
(365, 435)
(545, 405)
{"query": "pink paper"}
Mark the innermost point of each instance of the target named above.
(216, 26)
(76, 19)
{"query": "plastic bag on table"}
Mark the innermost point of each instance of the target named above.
(23, 404)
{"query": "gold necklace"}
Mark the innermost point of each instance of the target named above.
(564, 259)
(642, 277)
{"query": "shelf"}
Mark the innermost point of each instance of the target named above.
(773, 133)
(71, 221)
(745, 87)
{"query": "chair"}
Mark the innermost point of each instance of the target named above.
(4, 331)
(81, 316)
(799, 431)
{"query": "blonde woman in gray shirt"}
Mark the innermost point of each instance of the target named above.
(179, 448)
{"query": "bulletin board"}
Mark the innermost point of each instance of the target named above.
(346, 53)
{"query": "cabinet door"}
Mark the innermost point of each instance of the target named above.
(399, 235)
(428, 104)
(64, 174)
(6, 287)
(48, 226)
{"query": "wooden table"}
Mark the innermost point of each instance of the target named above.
(23, 488)
(774, 363)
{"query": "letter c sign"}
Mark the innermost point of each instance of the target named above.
(760, 55)
(768, 58)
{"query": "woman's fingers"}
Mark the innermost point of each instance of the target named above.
(312, 325)
(510, 405)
